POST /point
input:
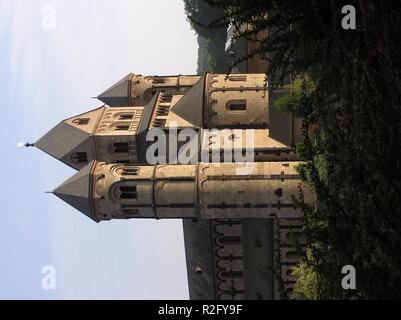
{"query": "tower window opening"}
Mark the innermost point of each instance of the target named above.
(157, 80)
(237, 78)
(162, 111)
(129, 212)
(236, 105)
(125, 116)
(80, 157)
(130, 171)
(166, 97)
(159, 123)
(122, 127)
(127, 192)
(81, 121)
(120, 147)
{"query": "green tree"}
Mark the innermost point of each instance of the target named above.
(211, 41)
(347, 89)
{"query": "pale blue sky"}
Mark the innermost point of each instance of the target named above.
(50, 75)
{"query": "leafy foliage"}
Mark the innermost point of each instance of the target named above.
(211, 42)
(306, 287)
(347, 89)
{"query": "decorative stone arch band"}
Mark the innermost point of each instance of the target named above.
(205, 191)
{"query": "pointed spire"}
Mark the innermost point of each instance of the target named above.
(26, 145)
(70, 140)
(62, 140)
(190, 106)
(76, 191)
(118, 94)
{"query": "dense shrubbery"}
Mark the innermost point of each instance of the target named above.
(348, 91)
(211, 53)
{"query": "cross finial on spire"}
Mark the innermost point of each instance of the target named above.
(27, 145)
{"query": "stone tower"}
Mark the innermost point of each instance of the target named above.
(116, 134)
(105, 191)
(137, 90)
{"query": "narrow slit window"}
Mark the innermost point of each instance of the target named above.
(158, 80)
(236, 106)
(81, 121)
(80, 157)
(159, 123)
(237, 78)
(166, 97)
(130, 171)
(125, 116)
(129, 212)
(162, 111)
(122, 127)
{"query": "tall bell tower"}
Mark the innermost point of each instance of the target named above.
(105, 191)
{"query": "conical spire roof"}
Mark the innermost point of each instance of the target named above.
(76, 191)
(190, 106)
(62, 140)
(68, 138)
(118, 94)
(147, 115)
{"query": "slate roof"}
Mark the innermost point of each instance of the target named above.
(77, 189)
(118, 94)
(190, 106)
(60, 141)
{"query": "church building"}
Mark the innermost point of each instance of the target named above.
(239, 217)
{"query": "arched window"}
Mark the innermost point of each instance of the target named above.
(236, 105)
(126, 192)
(159, 123)
(120, 126)
(125, 116)
(162, 111)
(166, 97)
(237, 78)
(129, 212)
(129, 171)
(79, 157)
(80, 121)
(158, 80)
(120, 147)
